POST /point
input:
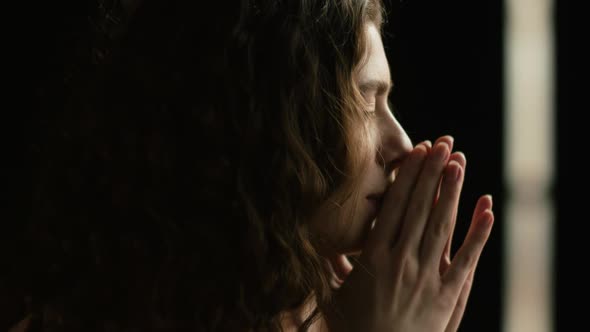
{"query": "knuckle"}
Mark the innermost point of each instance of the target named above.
(461, 303)
(402, 252)
(446, 300)
(468, 259)
(468, 283)
(418, 155)
(441, 227)
(434, 167)
(409, 276)
(418, 207)
(406, 267)
(401, 257)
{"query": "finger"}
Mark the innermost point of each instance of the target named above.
(422, 198)
(450, 142)
(396, 199)
(469, 253)
(446, 139)
(460, 158)
(459, 310)
(445, 259)
(428, 145)
(483, 203)
(440, 223)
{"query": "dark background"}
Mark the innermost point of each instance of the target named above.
(446, 63)
(573, 73)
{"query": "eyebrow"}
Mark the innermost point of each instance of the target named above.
(381, 86)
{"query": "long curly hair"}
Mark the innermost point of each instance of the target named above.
(184, 153)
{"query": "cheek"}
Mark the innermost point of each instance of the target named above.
(368, 156)
(329, 219)
(341, 228)
(365, 145)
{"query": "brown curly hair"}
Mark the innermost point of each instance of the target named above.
(183, 159)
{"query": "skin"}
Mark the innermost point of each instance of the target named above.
(405, 278)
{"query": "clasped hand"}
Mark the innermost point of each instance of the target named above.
(404, 279)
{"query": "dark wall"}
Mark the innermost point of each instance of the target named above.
(446, 62)
(35, 48)
(573, 71)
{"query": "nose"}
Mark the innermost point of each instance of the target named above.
(394, 145)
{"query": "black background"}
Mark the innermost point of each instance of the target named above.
(446, 64)
(573, 72)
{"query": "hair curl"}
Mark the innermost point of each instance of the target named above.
(183, 159)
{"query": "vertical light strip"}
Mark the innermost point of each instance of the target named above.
(529, 170)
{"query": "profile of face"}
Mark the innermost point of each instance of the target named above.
(345, 227)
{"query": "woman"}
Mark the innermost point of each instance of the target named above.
(213, 170)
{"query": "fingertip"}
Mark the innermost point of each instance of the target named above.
(454, 163)
(422, 148)
(459, 157)
(427, 145)
(448, 139)
(486, 219)
(485, 202)
(454, 170)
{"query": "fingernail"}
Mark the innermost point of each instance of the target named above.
(487, 219)
(458, 172)
(442, 151)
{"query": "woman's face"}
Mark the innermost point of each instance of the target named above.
(343, 229)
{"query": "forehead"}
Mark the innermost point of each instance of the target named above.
(375, 66)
